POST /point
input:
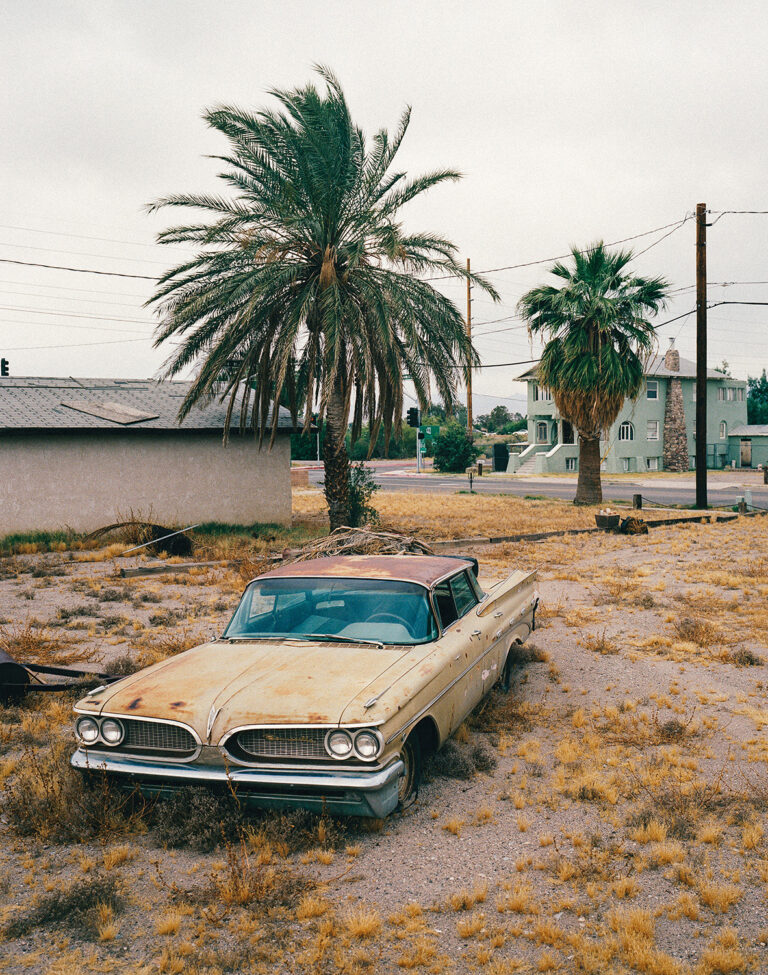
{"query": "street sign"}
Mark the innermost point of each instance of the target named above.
(430, 431)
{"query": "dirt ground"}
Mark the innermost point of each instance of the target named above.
(622, 829)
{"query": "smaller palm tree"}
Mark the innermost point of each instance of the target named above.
(599, 343)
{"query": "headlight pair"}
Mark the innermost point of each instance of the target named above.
(365, 744)
(109, 731)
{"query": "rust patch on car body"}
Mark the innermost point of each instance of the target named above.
(424, 570)
(134, 704)
(177, 704)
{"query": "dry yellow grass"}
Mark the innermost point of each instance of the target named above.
(456, 515)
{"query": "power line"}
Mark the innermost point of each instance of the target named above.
(75, 345)
(98, 328)
(79, 270)
(58, 250)
(545, 260)
(104, 240)
(72, 314)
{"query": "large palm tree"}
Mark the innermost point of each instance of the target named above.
(599, 342)
(306, 289)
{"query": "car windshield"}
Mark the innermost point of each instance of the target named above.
(375, 610)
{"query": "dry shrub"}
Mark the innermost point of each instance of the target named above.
(461, 760)
(600, 644)
(80, 906)
(298, 830)
(745, 658)
(693, 629)
(196, 818)
(35, 644)
(160, 647)
(47, 798)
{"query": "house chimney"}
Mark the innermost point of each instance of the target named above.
(672, 358)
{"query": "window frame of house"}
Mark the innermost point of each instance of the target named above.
(723, 430)
(721, 393)
(539, 425)
(652, 424)
(740, 394)
(541, 394)
(693, 391)
(571, 464)
(652, 384)
(652, 464)
(625, 427)
(731, 394)
(626, 465)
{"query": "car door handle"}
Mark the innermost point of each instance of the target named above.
(498, 615)
(476, 633)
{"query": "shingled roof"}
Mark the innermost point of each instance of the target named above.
(35, 403)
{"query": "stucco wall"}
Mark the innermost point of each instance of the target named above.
(83, 481)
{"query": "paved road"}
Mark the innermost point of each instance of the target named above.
(722, 491)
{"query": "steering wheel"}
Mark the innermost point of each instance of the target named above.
(390, 618)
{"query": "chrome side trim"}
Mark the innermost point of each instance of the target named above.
(447, 688)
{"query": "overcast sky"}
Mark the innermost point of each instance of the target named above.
(571, 121)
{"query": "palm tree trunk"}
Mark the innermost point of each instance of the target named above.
(336, 460)
(589, 489)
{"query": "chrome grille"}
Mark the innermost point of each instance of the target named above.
(156, 736)
(293, 743)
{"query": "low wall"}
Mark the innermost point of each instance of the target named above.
(83, 481)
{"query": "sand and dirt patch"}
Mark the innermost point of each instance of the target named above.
(609, 815)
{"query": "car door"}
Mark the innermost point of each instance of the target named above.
(466, 644)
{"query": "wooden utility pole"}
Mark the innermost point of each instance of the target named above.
(470, 432)
(701, 355)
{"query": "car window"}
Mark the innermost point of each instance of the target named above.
(463, 593)
(446, 607)
(386, 611)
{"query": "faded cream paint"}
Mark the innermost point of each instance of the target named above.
(85, 480)
(304, 683)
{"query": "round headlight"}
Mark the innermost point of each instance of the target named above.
(87, 730)
(366, 745)
(339, 744)
(112, 731)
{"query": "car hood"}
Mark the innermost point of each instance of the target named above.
(255, 683)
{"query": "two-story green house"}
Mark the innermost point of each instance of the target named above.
(654, 432)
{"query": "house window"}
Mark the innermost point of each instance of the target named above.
(723, 429)
(542, 432)
(570, 463)
(652, 463)
(721, 393)
(626, 431)
(652, 389)
(731, 394)
(652, 432)
(541, 393)
(694, 392)
(740, 394)
(625, 464)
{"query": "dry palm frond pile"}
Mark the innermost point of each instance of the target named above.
(359, 541)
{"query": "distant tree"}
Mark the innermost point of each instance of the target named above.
(757, 399)
(724, 368)
(599, 340)
(454, 451)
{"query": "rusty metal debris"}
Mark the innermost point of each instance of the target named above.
(146, 534)
(17, 680)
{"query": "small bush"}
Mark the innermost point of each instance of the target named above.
(76, 906)
(362, 487)
(47, 798)
(196, 818)
(454, 451)
(746, 658)
(460, 760)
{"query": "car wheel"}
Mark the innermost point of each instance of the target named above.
(408, 787)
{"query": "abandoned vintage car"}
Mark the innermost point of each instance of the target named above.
(333, 680)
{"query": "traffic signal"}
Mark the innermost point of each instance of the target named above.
(413, 416)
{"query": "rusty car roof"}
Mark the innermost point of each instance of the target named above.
(423, 569)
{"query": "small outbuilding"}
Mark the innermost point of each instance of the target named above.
(749, 445)
(83, 453)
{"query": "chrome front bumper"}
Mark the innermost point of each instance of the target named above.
(343, 792)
